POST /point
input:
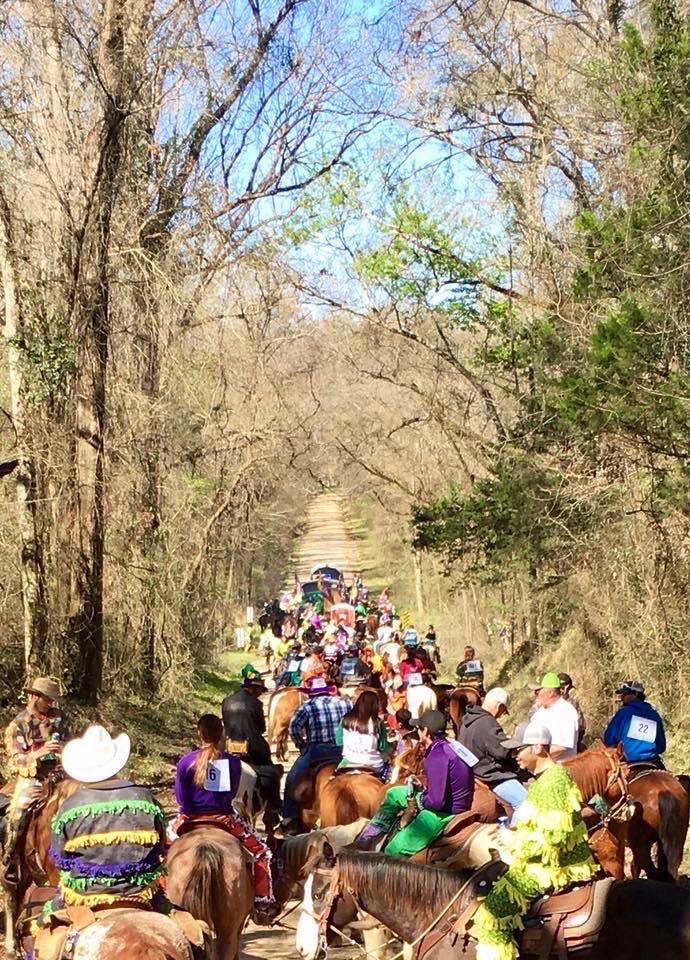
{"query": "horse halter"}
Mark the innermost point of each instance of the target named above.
(331, 895)
(616, 776)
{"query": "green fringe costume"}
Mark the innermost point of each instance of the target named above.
(548, 851)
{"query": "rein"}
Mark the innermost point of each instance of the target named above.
(334, 889)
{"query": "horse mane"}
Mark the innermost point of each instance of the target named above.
(415, 887)
(590, 770)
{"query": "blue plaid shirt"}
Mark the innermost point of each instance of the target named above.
(317, 720)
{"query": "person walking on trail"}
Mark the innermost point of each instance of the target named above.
(557, 715)
(245, 726)
(547, 850)
(419, 696)
(567, 687)
(470, 670)
(449, 791)
(483, 736)
(33, 742)
(205, 784)
(313, 731)
(636, 725)
(362, 736)
(108, 838)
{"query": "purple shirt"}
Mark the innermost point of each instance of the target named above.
(450, 782)
(193, 799)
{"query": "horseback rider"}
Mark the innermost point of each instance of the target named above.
(470, 670)
(558, 715)
(449, 791)
(34, 742)
(205, 785)
(547, 850)
(292, 667)
(245, 726)
(313, 730)
(108, 838)
(483, 736)
(638, 726)
(353, 669)
(362, 736)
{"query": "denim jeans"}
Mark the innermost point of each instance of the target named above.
(311, 754)
(512, 791)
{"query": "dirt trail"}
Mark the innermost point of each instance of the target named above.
(326, 539)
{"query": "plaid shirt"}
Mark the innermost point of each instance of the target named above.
(26, 734)
(317, 720)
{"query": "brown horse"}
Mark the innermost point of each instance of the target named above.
(35, 865)
(643, 919)
(210, 876)
(458, 700)
(281, 708)
(347, 797)
(662, 808)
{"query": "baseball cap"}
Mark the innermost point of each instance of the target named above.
(631, 686)
(526, 735)
(550, 681)
(432, 720)
(497, 695)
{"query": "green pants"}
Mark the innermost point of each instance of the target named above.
(416, 836)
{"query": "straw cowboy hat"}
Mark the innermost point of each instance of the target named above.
(95, 756)
(46, 686)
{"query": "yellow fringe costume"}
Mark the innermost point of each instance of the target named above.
(548, 851)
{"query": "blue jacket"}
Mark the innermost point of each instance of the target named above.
(640, 729)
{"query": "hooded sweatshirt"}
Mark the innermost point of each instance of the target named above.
(482, 734)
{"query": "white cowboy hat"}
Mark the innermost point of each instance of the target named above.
(95, 756)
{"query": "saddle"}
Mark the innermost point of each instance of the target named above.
(559, 926)
(566, 923)
(339, 772)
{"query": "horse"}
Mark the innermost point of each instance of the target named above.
(347, 797)
(248, 802)
(209, 874)
(662, 808)
(643, 918)
(458, 700)
(35, 865)
(281, 707)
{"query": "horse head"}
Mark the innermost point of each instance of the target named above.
(409, 763)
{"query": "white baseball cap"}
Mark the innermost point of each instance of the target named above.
(528, 735)
(497, 695)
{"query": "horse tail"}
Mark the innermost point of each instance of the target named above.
(272, 704)
(205, 893)
(673, 827)
(346, 808)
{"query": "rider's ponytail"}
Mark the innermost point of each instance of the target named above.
(210, 730)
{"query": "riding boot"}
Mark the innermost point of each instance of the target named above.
(10, 866)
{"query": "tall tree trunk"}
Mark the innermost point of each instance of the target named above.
(91, 325)
(32, 567)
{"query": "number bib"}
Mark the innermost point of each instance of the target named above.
(464, 753)
(218, 776)
(641, 728)
(473, 666)
(294, 665)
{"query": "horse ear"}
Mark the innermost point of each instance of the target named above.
(620, 751)
(328, 852)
